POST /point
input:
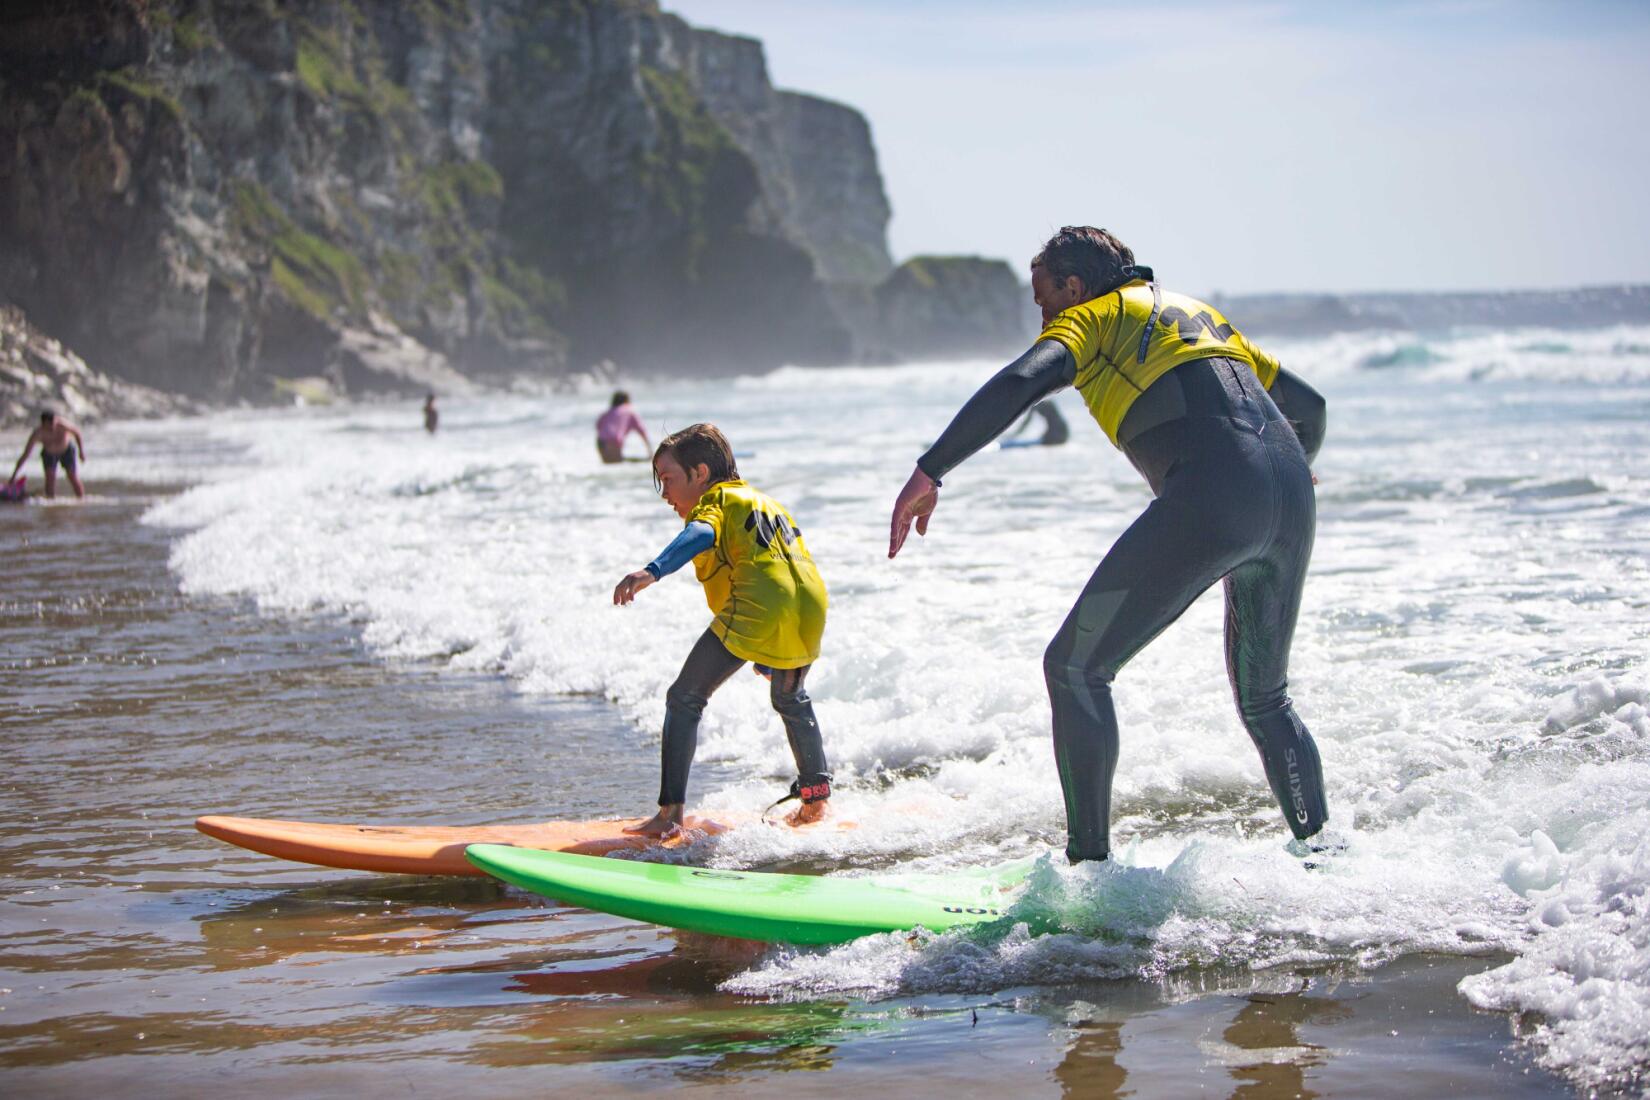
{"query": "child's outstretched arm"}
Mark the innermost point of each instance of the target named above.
(695, 539)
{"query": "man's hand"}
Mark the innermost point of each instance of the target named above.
(915, 502)
(632, 584)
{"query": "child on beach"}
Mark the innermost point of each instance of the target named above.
(770, 606)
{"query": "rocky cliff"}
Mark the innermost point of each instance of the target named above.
(37, 373)
(209, 195)
(946, 307)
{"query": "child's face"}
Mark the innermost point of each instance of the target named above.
(681, 488)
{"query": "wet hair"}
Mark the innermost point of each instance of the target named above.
(1093, 255)
(698, 444)
(620, 397)
(47, 415)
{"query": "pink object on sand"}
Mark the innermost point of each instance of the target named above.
(15, 491)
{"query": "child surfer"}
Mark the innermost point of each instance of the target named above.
(770, 606)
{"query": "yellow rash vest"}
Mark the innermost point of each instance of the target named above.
(1127, 339)
(759, 578)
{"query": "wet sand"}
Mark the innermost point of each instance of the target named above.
(138, 957)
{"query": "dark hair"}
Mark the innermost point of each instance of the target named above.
(47, 416)
(698, 444)
(1093, 255)
(619, 398)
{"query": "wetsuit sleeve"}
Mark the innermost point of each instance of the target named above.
(695, 539)
(1010, 393)
(1304, 408)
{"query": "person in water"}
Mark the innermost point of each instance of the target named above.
(1055, 431)
(432, 415)
(59, 441)
(614, 425)
(769, 602)
(1223, 435)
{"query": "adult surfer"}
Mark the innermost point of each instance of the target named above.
(1206, 418)
(59, 441)
(1055, 431)
(614, 425)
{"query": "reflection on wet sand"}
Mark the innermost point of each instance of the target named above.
(1090, 1067)
(1275, 1060)
(703, 1038)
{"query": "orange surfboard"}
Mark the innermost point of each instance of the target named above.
(429, 849)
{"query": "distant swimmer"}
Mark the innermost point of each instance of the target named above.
(614, 425)
(59, 442)
(1223, 435)
(769, 602)
(432, 415)
(1055, 431)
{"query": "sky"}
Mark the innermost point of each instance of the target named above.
(1248, 146)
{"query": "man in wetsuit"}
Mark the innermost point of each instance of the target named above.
(1223, 436)
(1055, 431)
(59, 440)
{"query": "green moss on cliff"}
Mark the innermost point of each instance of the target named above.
(323, 64)
(450, 188)
(131, 81)
(694, 170)
(338, 63)
(315, 275)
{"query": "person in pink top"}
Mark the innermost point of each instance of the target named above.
(614, 425)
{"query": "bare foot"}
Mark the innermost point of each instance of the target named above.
(808, 813)
(666, 823)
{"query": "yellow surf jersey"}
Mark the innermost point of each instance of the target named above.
(759, 578)
(1117, 359)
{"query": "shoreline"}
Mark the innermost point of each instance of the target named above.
(162, 957)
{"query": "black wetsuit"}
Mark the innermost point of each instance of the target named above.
(708, 666)
(1234, 501)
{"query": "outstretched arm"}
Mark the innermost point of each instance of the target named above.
(79, 443)
(695, 539)
(1304, 408)
(1010, 393)
(28, 449)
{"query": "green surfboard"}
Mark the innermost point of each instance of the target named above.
(753, 905)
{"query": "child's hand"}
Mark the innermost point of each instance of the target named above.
(627, 588)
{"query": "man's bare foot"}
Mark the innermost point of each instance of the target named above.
(664, 824)
(808, 813)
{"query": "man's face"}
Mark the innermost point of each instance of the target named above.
(1053, 296)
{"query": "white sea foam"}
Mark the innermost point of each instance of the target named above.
(1471, 655)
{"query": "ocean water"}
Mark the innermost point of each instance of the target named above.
(1473, 658)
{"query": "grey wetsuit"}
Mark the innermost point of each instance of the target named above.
(1234, 502)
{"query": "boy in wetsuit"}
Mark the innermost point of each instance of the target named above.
(54, 436)
(1223, 435)
(769, 603)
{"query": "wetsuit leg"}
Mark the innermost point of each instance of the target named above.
(708, 666)
(1234, 497)
(1263, 598)
(1164, 561)
(801, 728)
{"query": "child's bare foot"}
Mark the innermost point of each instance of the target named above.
(666, 823)
(808, 813)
